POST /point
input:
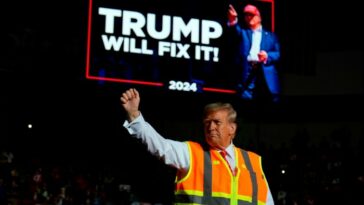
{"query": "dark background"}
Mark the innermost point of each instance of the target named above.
(78, 122)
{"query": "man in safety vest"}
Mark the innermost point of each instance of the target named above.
(216, 174)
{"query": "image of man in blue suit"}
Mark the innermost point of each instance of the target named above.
(258, 54)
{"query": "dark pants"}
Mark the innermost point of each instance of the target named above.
(255, 87)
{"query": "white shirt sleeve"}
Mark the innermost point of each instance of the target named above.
(270, 200)
(173, 153)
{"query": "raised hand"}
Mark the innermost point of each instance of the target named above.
(130, 100)
(232, 14)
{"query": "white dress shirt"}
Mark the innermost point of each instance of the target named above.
(255, 47)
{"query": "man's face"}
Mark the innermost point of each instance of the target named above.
(252, 20)
(219, 132)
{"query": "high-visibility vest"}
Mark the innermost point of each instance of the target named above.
(210, 181)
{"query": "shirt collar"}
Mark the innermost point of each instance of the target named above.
(230, 150)
(260, 29)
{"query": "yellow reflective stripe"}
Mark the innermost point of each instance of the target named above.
(245, 198)
(186, 204)
(220, 194)
(234, 191)
(235, 180)
(189, 192)
(261, 203)
(237, 197)
(237, 167)
(189, 169)
(261, 171)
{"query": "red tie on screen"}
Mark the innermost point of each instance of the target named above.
(223, 154)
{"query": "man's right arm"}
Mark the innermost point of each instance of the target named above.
(173, 153)
(232, 16)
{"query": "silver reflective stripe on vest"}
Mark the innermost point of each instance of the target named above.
(253, 178)
(207, 187)
(207, 178)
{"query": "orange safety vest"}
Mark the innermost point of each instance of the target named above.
(210, 181)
